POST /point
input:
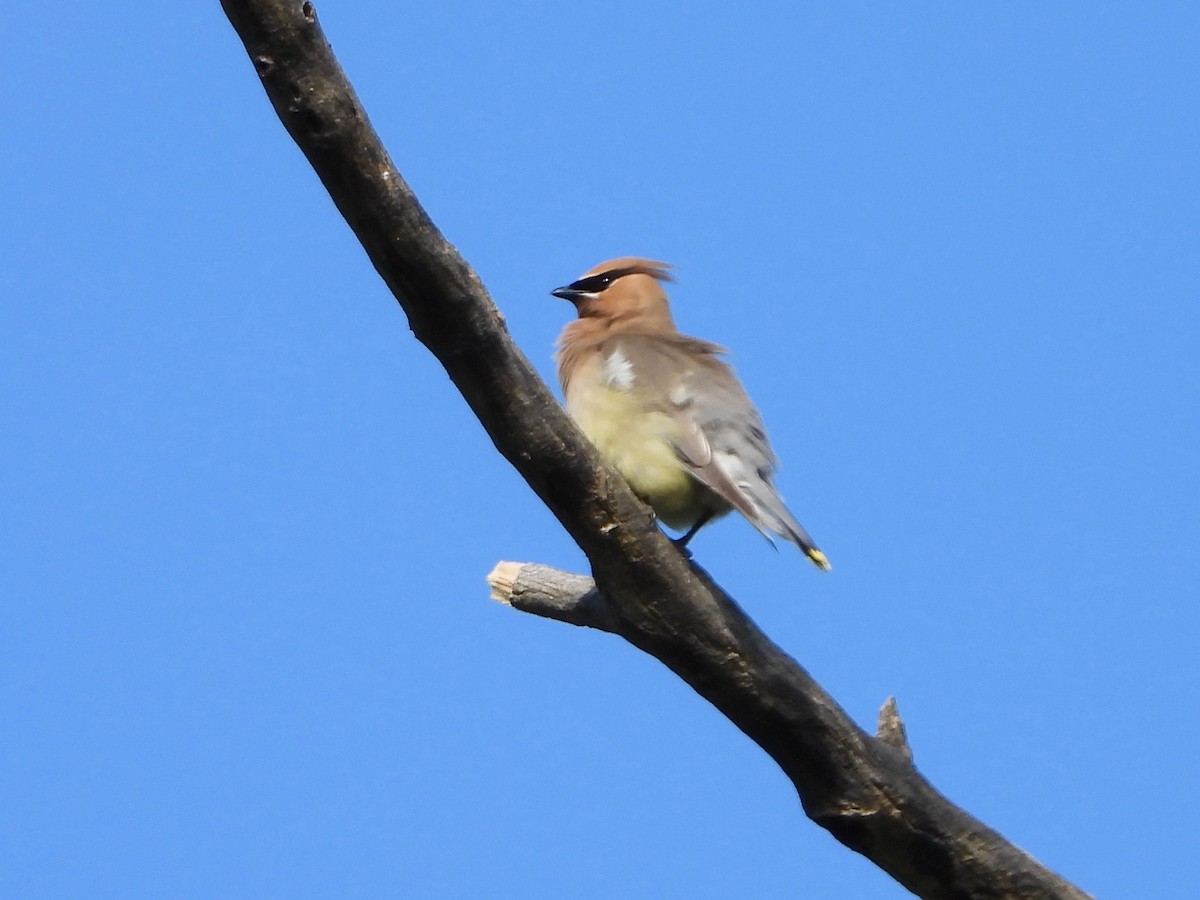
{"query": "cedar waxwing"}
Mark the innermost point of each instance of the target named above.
(663, 409)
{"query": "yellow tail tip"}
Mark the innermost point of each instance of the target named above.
(819, 559)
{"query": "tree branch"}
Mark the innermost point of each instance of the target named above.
(863, 789)
(552, 593)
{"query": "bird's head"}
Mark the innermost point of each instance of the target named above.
(626, 290)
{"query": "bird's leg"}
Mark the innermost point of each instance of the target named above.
(682, 542)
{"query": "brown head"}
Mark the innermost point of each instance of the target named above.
(624, 293)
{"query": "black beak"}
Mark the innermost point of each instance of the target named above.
(568, 293)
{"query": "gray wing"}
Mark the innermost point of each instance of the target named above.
(723, 442)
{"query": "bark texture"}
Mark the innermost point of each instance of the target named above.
(860, 787)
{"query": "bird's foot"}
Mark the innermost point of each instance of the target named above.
(681, 545)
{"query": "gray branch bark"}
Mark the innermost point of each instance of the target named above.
(860, 787)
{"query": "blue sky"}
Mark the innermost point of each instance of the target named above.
(246, 648)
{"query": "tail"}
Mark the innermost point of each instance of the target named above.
(748, 489)
(818, 558)
(800, 538)
(776, 517)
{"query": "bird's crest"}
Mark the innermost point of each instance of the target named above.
(631, 265)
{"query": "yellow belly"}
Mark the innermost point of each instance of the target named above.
(640, 444)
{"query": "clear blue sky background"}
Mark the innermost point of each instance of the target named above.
(246, 648)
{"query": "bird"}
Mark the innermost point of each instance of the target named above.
(664, 409)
